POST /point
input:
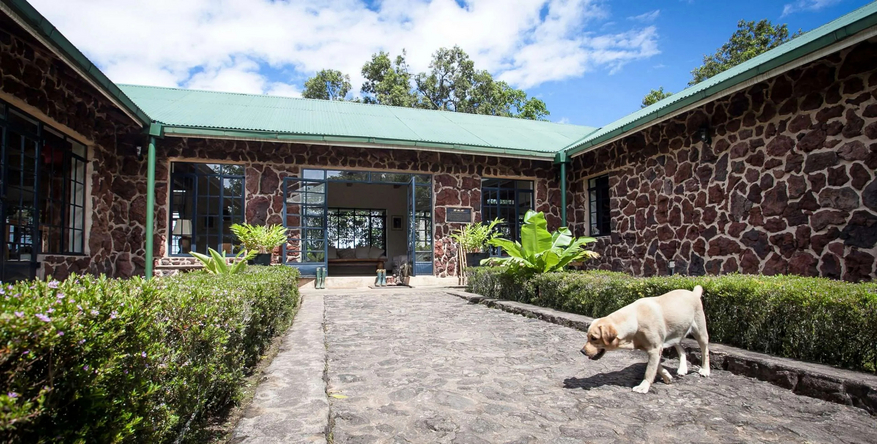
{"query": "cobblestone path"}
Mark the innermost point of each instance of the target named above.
(423, 366)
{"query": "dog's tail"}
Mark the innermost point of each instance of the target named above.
(698, 291)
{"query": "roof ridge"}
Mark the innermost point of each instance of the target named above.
(341, 102)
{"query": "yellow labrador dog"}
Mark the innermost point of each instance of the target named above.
(651, 324)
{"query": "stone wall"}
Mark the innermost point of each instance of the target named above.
(456, 181)
(34, 75)
(787, 185)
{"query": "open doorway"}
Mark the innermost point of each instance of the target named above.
(355, 222)
(365, 227)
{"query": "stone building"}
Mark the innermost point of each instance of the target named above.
(766, 168)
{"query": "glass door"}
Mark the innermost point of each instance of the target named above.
(304, 216)
(420, 248)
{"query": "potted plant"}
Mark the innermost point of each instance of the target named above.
(261, 239)
(473, 240)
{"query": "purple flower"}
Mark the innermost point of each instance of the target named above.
(9, 287)
(143, 354)
(12, 395)
(43, 317)
(94, 312)
(25, 352)
(82, 342)
(20, 314)
(60, 296)
(53, 284)
(79, 307)
(2, 291)
(60, 333)
(85, 367)
(50, 310)
(114, 314)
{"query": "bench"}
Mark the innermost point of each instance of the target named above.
(353, 262)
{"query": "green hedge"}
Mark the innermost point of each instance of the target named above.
(811, 319)
(106, 360)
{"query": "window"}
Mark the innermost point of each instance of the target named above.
(206, 200)
(598, 208)
(44, 188)
(507, 199)
(62, 194)
(350, 228)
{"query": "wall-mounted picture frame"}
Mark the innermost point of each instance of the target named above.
(396, 223)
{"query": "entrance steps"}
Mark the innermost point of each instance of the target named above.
(360, 282)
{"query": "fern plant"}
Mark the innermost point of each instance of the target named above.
(216, 262)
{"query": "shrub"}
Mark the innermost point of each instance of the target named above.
(811, 319)
(104, 360)
(541, 251)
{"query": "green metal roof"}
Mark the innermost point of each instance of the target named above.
(819, 38)
(218, 114)
(39, 24)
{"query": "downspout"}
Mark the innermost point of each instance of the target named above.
(154, 131)
(562, 159)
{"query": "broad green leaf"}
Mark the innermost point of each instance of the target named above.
(534, 234)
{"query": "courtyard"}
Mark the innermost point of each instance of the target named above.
(415, 365)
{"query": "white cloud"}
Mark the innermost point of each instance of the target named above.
(242, 45)
(563, 121)
(647, 17)
(806, 5)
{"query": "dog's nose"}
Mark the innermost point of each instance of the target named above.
(583, 352)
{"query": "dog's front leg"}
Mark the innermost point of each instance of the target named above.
(651, 370)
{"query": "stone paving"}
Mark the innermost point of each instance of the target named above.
(422, 366)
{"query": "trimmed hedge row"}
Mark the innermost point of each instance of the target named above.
(810, 319)
(105, 360)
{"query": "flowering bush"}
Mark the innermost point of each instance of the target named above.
(812, 319)
(105, 360)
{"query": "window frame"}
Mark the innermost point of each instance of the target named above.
(69, 245)
(599, 215)
(217, 226)
(513, 227)
(331, 211)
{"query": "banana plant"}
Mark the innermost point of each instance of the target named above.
(216, 262)
(541, 251)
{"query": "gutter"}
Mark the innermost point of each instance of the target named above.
(43, 31)
(816, 49)
(365, 142)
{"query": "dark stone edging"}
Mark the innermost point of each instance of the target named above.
(802, 378)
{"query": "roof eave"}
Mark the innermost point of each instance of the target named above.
(366, 142)
(829, 43)
(40, 28)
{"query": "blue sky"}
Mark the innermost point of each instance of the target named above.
(591, 61)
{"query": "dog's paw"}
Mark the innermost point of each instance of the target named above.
(665, 375)
(683, 370)
(705, 372)
(642, 388)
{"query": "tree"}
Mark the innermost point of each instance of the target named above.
(453, 84)
(654, 96)
(387, 82)
(328, 84)
(750, 40)
(447, 85)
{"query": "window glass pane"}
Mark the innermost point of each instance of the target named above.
(313, 174)
(355, 176)
(508, 200)
(23, 122)
(599, 206)
(206, 200)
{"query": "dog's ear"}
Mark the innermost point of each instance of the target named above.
(608, 334)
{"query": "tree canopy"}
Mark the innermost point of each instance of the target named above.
(328, 84)
(451, 84)
(654, 96)
(751, 39)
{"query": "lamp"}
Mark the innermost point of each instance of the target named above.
(139, 152)
(183, 228)
(703, 134)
